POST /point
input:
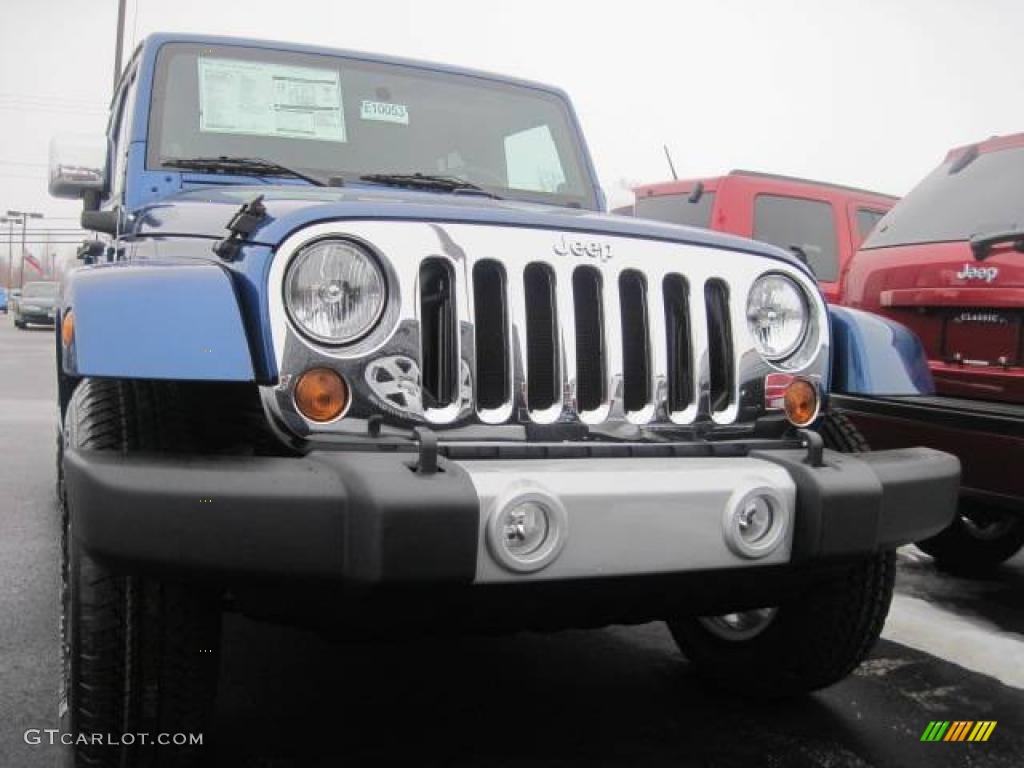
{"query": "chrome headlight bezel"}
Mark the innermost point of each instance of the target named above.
(790, 351)
(378, 270)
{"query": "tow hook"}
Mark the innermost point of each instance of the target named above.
(815, 447)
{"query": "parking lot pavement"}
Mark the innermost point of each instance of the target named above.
(621, 696)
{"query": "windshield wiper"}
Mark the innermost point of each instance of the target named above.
(428, 181)
(245, 166)
(981, 245)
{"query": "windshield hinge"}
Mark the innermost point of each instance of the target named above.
(242, 224)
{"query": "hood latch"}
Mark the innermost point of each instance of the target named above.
(242, 224)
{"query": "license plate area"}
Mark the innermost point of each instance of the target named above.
(982, 337)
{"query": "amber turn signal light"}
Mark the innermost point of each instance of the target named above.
(67, 328)
(321, 395)
(801, 402)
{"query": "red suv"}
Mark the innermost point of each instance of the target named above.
(948, 262)
(823, 224)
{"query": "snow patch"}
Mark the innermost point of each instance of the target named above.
(967, 641)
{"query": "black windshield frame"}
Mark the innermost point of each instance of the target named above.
(553, 111)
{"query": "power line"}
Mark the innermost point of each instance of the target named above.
(50, 101)
(49, 97)
(52, 109)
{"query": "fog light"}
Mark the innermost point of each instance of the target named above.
(756, 522)
(526, 529)
(801, 402)
(321, 395)
(755, 519)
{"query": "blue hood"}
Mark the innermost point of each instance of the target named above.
(206, 212)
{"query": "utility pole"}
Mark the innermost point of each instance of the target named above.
(10, 249)
(24, 216)
(120, 41)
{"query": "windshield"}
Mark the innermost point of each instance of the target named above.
(986, 195)
(676, 209)
(332, 116)
(39, 290)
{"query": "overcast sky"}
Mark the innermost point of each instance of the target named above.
(869, 92)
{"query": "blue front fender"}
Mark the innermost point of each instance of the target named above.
(872, 355)
(176, 321)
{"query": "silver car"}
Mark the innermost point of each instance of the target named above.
(37, 304)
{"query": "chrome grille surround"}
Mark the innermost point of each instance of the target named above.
(403, 245)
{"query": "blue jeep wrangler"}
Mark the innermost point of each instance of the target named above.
(357, 349)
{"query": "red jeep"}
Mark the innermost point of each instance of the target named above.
(823, 224)
(948, 262)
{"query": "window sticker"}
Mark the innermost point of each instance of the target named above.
(532, 161)
(262, 99)
(384, 112)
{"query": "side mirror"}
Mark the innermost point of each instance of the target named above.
(78, 165)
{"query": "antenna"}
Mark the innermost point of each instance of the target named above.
(671, 165)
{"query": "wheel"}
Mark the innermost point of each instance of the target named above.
(19, 324)
(809, 642)
(979, 538)
(140, 655)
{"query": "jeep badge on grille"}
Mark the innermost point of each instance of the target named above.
(592, 248)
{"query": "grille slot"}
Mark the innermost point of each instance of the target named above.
(543, 388)
(438, 334)
(636, 364)
(590, 363)
(491, 319)
(679, 342)
(720, 352)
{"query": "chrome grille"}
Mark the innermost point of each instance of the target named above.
(645, 335)
(590, 338)
(653, 335)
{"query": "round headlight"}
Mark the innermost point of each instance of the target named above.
(777, 315)
(335, 291)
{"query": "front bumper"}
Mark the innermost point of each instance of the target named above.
(987, 437)
(376, 517)
(37, 317)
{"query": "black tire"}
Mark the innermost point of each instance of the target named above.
(19, 324)
(978, 539)
(814, 640)
(139, 655)
(840, 434)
